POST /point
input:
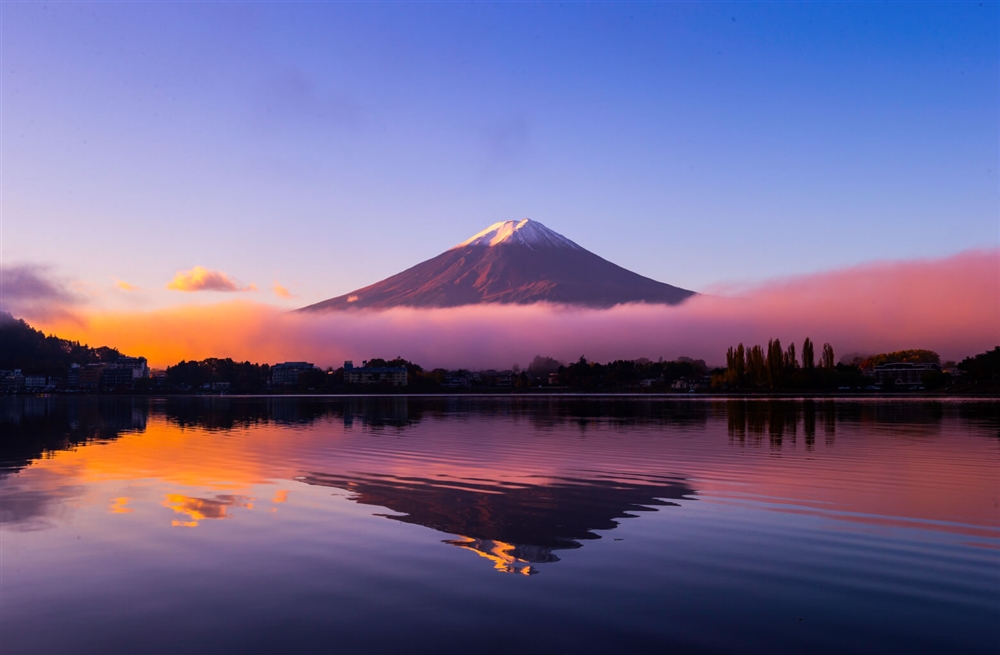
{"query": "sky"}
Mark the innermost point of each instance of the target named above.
(175, 154)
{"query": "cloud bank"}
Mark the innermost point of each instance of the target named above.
(204, 279)
(951, 305)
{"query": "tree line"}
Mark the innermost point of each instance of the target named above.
(25, 348)
(773, 367)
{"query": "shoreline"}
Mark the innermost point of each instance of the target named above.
(777, 395)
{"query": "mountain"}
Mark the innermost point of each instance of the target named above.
(516, 262)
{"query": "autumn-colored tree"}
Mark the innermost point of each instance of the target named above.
(909, 356)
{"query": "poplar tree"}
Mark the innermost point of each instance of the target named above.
(790, 362)
(755, 366)
(826, 361)
(775, 363)
(808, 356)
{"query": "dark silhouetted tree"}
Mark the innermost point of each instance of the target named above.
(826, 360)
(808, 356)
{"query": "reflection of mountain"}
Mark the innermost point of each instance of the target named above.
(514, 525)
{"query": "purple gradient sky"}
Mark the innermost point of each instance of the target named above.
(326, 146)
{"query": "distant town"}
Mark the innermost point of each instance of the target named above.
(33, 363)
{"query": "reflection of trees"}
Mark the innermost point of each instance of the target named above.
(750, 420)
(381, 411)
(982, 416)
(514, 525)
(33, 426)
(780, 420)
(553, 411)
(229, 412)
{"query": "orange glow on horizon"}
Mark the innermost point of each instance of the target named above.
(950, 305)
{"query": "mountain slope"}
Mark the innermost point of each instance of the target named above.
(518, 262)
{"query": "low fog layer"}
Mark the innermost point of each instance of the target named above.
(951, 305)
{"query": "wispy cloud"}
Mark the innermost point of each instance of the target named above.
(32, 292)
(951, 305)
(200, 278)
(282, 292)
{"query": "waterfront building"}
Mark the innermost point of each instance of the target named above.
(366, 375)
(903, 374)
(287, 374)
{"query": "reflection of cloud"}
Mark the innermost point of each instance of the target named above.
(950, 305)
(125, 286)
(120, 505)
(29, 291)
(203, 279)
(29, 503)
(200, 509)
(282, 292)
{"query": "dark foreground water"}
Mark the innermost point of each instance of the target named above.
(513, 525)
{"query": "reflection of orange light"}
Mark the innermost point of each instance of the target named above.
(120, 505)
(498, 552)
(199, 509)
(280, 496)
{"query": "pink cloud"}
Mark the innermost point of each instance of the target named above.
(951, 305)
(203, 279)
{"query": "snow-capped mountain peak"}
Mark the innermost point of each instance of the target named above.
(511, 262)
(525, 232)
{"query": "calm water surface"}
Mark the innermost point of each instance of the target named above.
(536, 525)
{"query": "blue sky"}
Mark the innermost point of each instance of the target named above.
(329, 145)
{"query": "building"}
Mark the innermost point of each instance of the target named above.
(903, 374)
(287, 374)
(73, 377)
(37, 383)
(116, 377)
(389, 375)
(11, 381)
(89, 376)
(137, 365)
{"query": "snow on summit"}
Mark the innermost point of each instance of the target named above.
(511, 262)
(524, 232)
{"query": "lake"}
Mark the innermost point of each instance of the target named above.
(508, 524)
